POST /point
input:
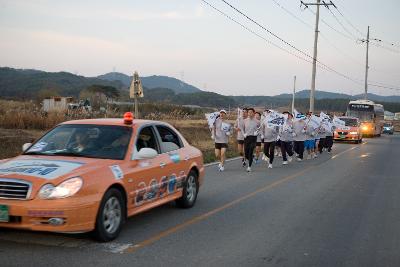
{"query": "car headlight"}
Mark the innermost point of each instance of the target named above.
(66, 189)
(353, 133)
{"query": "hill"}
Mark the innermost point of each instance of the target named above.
(26, 84)
(151, 82)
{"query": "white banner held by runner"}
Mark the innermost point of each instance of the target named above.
(314, 122)
(211, 117)
(225, 127)
(298, 116)
(338, 122)
(276, 120)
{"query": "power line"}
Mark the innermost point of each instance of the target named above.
(321, 65)
(256, 34)
(348, 22)
(293, 15)
(334, 29)
(267, 30)
(346, 56)
(287, 43)
(341, 24)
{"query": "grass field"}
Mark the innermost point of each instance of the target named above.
(22, 122)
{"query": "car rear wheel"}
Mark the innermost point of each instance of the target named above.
(190, 191)
(110, 216)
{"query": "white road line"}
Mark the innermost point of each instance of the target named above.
(217, 162)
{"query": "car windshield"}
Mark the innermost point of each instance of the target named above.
(93, 141)
(387, 125)
(350, 122)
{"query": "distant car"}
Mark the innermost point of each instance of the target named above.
(350, 132)
(90, 175)
(388, 128)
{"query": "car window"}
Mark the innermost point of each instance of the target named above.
(170, 140)
(147, 139)
(94, 141)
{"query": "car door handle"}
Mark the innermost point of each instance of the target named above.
(187, 158)
(162, 164)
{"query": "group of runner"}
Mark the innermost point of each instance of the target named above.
(293, 138)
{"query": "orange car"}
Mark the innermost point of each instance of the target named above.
(350, 132)
(90, 175)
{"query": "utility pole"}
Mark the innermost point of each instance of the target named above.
(366, 62)
(366, 67)
(294, 93)
(314, 66)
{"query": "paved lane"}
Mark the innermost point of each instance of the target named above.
(339, 210)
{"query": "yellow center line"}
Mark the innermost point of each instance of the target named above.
(208, 214)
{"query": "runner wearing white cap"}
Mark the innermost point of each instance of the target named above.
(220, 133)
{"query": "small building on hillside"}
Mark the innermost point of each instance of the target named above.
(57, 103)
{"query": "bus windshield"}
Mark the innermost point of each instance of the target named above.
(361, 115)
(361, 111)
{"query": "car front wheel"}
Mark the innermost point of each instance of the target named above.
(110, 216)
(190, 191)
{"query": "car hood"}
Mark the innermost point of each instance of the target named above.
(47, 168)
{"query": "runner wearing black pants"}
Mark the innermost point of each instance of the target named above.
(240, 138)
(269, 135)
(299, 127)
(329, 139)
(322, 136)
(286, 135)
(250, 131)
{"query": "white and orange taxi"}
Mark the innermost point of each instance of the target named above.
(350, 132)
(90, 175)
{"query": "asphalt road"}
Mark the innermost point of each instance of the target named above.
(342, 209)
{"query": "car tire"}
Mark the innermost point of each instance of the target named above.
(110, 216)
(190, 191)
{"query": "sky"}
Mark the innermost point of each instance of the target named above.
(189, 40)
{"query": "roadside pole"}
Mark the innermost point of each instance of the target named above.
(136, 91)
(314, 65)
(366, 68)
(294, 93)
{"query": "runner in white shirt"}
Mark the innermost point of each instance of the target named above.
(239, 135)
(220, 133)
(258, 142)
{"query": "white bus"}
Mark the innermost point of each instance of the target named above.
(371, 116)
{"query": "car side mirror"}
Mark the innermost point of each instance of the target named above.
(26, 146)
(146, 153)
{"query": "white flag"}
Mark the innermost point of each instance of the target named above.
(324, 116)
(338, 122)
(298, 116)
(211, 117)
(225, 127)
(275, 119)
(314, 122)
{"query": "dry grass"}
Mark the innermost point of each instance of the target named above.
(197, 134)
(11, 141)
(23, 122)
